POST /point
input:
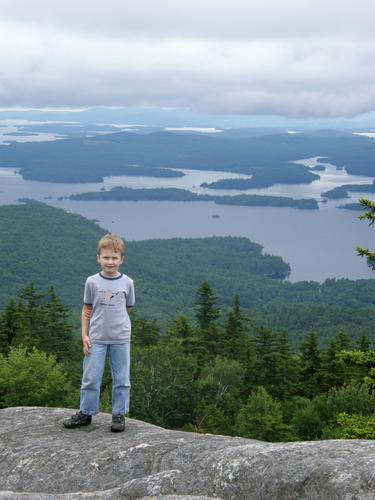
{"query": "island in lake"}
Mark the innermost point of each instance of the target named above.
(120, 193)
(263, 178)
(268, 158)
(357, 207)
(342, 191)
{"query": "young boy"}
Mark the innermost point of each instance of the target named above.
(106, 328)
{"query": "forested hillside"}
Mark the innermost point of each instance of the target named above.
(204, 375)
(49, 246)
(221, 343)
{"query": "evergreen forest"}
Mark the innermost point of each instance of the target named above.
(222, 343)
(210, 376)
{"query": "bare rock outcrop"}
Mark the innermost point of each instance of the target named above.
(40, 459)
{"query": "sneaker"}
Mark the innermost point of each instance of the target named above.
(118, 423)
(77, 420)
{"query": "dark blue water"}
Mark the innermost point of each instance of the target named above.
(318, 244)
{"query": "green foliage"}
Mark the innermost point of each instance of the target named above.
(311, 362)
(177, 267)
(197, 376)
(207, 312)
(355, 426)
(209, 419)
(318, 419)
(33, 378)
(236, 340)
(231, 379)
(42, 244)
(163, 389)
(274, 367)
(218, 396)
(220, 382)
(306, 422)
(38, 320)
(9, 321)
(144, 332)
(261, 418)
(364, 343)
(352, 398)
(332, 371)
(370, 379)
(182, 334)
(210, 336)
(369, 215)
(365, 361)
(326, 320)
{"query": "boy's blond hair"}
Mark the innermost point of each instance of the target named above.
(111, 242)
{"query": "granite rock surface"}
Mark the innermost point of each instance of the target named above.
(40, 459)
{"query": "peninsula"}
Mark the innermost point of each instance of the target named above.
(120, 193)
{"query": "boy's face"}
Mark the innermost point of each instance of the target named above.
(110, 262)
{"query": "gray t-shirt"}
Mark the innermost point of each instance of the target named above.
(109, 298)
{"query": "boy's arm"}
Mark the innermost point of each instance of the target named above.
(85, 321)
(130, 298)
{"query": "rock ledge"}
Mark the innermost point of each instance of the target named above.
(40, 459)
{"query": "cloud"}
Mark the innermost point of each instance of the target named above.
(293, 58)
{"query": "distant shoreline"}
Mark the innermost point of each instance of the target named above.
(173, 194)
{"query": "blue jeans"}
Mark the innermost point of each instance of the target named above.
(93, 367)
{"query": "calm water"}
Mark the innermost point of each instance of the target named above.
(316, 243)
(9, 130)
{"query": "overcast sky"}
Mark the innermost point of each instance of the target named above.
(296, 58)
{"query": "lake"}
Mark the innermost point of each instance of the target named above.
(318, 244)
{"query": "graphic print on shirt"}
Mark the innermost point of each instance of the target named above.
(109, 298)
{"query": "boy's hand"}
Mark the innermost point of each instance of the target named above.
(86, 346)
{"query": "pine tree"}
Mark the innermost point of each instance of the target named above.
(332, 371)
(37, 320)
(287, 367)
(364, 343)
(144, 332)
(8, 327)
(344, 341)
(32, 322)
(311, 362)
(276, 367)
(182, 334)
(236, 336)
(261, 418)
(58, 335)
(207, 312)
(209, 333)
